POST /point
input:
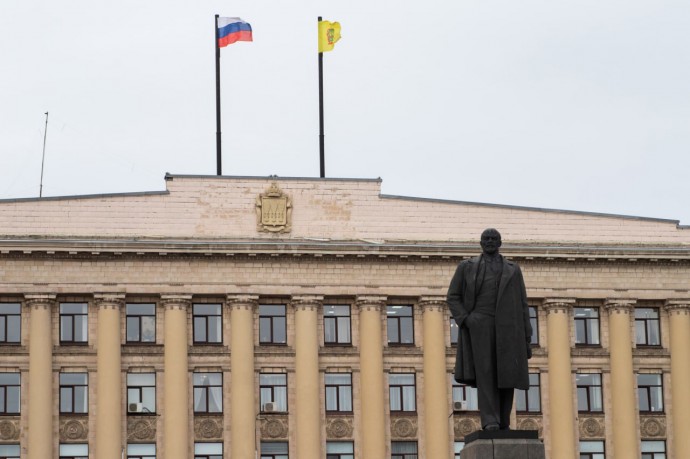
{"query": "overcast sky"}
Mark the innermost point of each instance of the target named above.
(581, 105)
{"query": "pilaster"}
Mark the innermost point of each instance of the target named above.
(679, 317)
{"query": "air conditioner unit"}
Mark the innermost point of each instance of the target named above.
(270, 407)
(460, 406)
(136, 408)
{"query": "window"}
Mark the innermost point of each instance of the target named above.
(74, 393)
(647, 327)
(10, 323)
(141, 451)
(587, 326)
(401, 388)
(534, 322)
(589, 392)
(400, 325)
(141, 323)
(336, 325)
(272, 324)
(404, 450)
(340, 450)
(454, 332)
(141, 393)
(653, 449)
(73, 323)
(466, 396)
(208, 451)
(207, 324)
(651, 393)
(274, 450)
(457, 448)
(208, 392)
(9, 451)
(529, 401)
(10, 391)
(273, 389)
(338, 392)
(72, 451)
(592, 450)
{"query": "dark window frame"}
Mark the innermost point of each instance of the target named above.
(139, 316)
(397, 320)
(534, 322)
(337, 388)
(592, 455)
(263, 455)
(272, 327)
(72, 388)
(586, 320)
(528, 409)
(5, 322)
(205, 318)
(401, 399)
(340, 455)
(653, 454)
(463, 388)
(589, 391)
(336, 319)
(72, 315)
(405, 455)
(272, 388)
(647, 389)
(4, 388)
(647, 326)
(209, 456)
(18, 449)
(140, 389)
(207, 390)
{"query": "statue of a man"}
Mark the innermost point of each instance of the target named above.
(488, 301)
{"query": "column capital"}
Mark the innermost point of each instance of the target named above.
(176, 301)
(677, 306)
(558, 305)
(371, 302)
(109, 300)
(433, 303)
(40, 300)
(619, 305)
(242, 301)
(306, 302)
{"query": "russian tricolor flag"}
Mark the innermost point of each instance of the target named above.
(231, 30)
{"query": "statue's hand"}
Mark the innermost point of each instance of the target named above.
(529, 351)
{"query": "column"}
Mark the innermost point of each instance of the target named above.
(308, 411)
(40, 441)
(175, 378)
(625, 433)
(242, 378)
(109, 377)
(436, 404)
(679, 317)
(561, 412)
(371, 376)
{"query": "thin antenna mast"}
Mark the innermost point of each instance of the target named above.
(43, 159)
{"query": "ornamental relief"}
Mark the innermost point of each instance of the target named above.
(339, 427)
(208, 428)
(531, 423)
(274, 427)
(653, 426)
(141, 428)
(404, 427)
(592, 427)
(74, 429)
(465, 426)
(274, 211)
(9, 430)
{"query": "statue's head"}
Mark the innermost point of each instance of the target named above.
(490, 241)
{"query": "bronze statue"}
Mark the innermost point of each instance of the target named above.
(488, 301)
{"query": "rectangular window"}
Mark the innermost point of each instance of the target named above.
(454, 332)
(457, 448)
(529, 401)
(273, 390)
(338, 392)
(10, 393)
(534, 322)
(73, 451)
(589, 398)
(651, 393)
(141, 451)
(653, 449)
(274, 450)
(73, 323)
(464, 397)
(647, 332)
(141, 323)
(404, 450)
(208, 323)
(336, 325)
(400, 324)
(587, 326)
(74, 393)
(208, 451)
(9, 451)
(272, 324)
(10, 323)
(592, 450)
(141, 393)
(340, 450)
(401, 387)
(208, 393)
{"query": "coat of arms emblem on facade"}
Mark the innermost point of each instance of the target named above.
(273, 211)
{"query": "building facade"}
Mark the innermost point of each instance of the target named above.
(306, 318)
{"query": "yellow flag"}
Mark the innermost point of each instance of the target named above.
(329, 34)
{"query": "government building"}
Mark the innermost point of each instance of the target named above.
(298, 318)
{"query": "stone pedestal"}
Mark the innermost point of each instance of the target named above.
(503, 444)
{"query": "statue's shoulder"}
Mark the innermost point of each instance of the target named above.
(469, 262)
